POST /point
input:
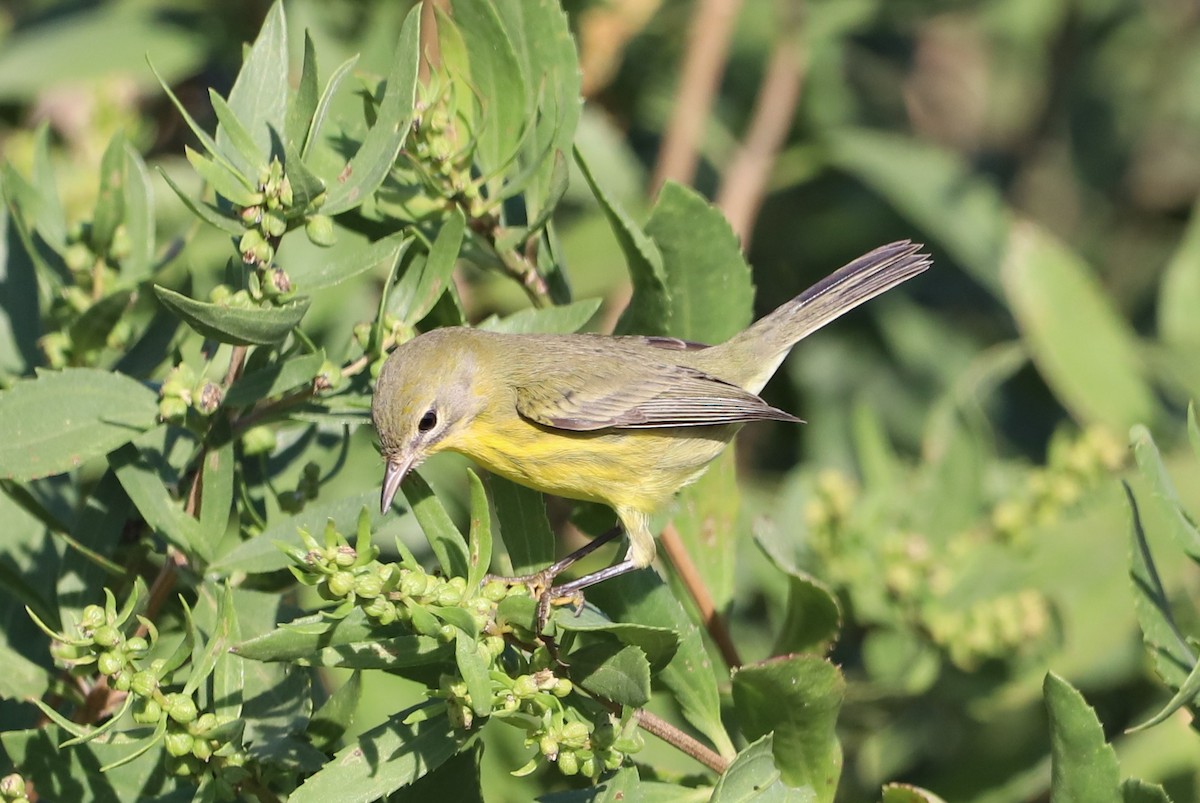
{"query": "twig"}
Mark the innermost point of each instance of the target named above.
(704, 62)
(745, 180)
(678, 739)
(685, 567)
(237, 359)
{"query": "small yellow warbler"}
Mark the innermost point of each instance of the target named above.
(626, 421)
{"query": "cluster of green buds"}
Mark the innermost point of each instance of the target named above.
(92, 273)
(107, 641)
(913, 570)
(266, 220)
(393, 330)
(1003, 627)
(435, 147)
(13, 789)
(1073, 465)
(183, 390)
(523, 684)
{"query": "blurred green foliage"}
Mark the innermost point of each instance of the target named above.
(918, 579)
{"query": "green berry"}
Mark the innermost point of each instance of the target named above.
(181, 708)
(106, 636)
(179, 744)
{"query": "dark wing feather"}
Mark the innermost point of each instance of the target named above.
(648, 396)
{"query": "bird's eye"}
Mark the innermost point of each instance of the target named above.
(427, 422)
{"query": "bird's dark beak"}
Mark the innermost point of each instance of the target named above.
(395, 472)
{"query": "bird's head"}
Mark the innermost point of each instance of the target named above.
(426, 392)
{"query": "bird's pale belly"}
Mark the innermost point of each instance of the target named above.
(637, 469)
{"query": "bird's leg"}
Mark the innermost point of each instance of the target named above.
(541, 583)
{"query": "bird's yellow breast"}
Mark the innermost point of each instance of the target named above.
(633, 469)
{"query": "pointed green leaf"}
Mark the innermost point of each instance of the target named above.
(524, 527)
(274, 379)
(206, 212)
(145, 486)
(375, 157)
(258, 99)
(423, 283)
(480, 538)
(753, 778)
(302, 104)
(1184, 528)
(382, 760)
(216, 499)
(658, 644)
(252, 326)
(138, 219)
(649, 309)
(559, 320)
(377, 257)
(110, 202)
(1135, 790)
(1174, 659)
(444, 538)
(336, 715)
(241, 148)
(797, 698)
(322, 108)
(612, 671)
(1083, 769)
(54, 422)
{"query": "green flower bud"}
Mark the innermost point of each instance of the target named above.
(525, 687)
(548, 747)
(562, 687)
(568, 764)
(345, 556)
(172, 409)
(588, 767)
(12, 786)
(202, 749)
(144, 684)
(576, 733)
(122, 680)
(147, 711)
(274, 224)
(136, 645)
(209, 397)
(258, 440)
(181, 708)
(179, 744)
(110, 662)
(341, 584)
(414, 584)
(92, 617)
(494, 590)
(319, 229)
(447, 633)
(106, 636)
(368, 586)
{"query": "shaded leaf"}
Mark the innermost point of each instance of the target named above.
(1083, 767)
(524, 527)
(658, 644)
(612, 671)
(336, 715)
(274, 379)
(444, 538)
(54, 422)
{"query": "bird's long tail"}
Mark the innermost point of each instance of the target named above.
(768, 340)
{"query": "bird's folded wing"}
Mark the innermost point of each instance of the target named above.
(639, 397)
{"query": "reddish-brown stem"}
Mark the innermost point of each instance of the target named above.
(682, 741)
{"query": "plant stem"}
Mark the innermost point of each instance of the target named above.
(678, 739)
(685, 568)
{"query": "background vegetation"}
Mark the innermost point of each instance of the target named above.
(903, 594)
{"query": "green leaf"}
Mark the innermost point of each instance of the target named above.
(216, 498)
(524, 527)
(20, 321)
(1054, 298)
(904, 793)
(1174, 659)
(495, 75)
(240, 147)
(336, 715)
(258, 99)
(474, 670)
(1149, 462)
(649, 309)
(61, 48)
(444, 538)
(375, 157)
(56, 421)
(91, 329)
(480, 537)
(322, 109)
(541, 37)
(224, 635)
(1179, 292)
(110, 201)
(348, 263)
(797, 697)
(381, 761)
(706, 518)
(753, 778)
(1135, 790)
(254, 326)
(143, 481)
(708, 281)
(612, 671)
(1186, 696)
(643, 598)
(457, 780)
(302, 104)
(559, 320)
(353, 642)
(813, 619)
(139, 218)
(936, 189)
(274, 379)
(658, 644)
(209, 214)
(1083, 768)
(233, 187)
(424, 282)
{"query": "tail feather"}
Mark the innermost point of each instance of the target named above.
(769, 340)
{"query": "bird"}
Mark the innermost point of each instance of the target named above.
(626, 421)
